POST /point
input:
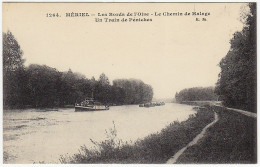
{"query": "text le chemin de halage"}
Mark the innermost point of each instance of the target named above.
(130, 16)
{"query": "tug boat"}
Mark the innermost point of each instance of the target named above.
(89, 104)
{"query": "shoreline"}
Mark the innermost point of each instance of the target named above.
(52, 108)
(193, 142)
(156, 148)
(232, 140)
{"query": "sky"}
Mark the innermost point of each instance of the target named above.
(170, 53)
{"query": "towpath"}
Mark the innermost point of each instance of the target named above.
(250, 114)
(199, 136)
(194, 141)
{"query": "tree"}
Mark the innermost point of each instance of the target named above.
(102, 89)
(133, 91)
(12, 53)
(44, 85)
(14, 76)
(196, 94)
(237, 80)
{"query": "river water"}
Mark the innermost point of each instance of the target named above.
(33, 136)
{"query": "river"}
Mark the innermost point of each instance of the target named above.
(33, 136)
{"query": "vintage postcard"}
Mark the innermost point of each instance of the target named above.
(129, 83)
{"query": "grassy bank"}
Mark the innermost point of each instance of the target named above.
(231, 140)
(155, 148)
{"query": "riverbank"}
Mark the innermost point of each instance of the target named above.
(33, 136)
(233, 139)
(155, 148)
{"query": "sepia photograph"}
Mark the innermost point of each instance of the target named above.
(129, 83)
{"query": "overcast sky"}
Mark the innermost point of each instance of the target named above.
(169, 53)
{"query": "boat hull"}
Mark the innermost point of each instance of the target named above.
(95, 108)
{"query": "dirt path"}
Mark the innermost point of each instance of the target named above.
(194, 141)
(250, 114)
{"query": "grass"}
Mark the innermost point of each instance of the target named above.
(155, 148)
(233, 139)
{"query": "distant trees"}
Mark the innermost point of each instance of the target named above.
(104, 85)
(132, 91)
(237, 80)
(43, 86)
(196, 94)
